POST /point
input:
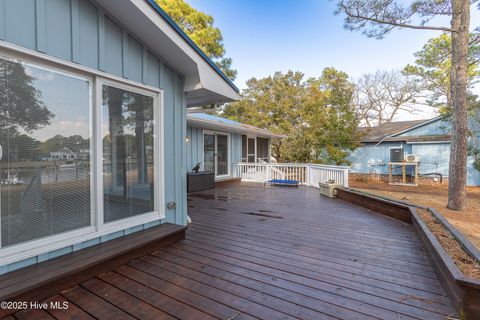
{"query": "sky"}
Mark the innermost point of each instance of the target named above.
(265, 36)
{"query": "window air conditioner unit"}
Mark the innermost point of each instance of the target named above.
(412, 158)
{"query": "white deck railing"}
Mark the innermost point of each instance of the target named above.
(305, 173)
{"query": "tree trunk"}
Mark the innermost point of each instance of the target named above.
(457, 177)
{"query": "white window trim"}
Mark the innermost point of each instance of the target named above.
(30, 249)
(159, 171)
(254, 137)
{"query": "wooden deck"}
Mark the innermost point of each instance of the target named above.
(257, 252)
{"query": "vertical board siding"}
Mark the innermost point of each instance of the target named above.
(75, 31)
(169, 140)
(22, 32)
(113, 48)
(2, 21)
(58, 29)
(135, 60)
(88, 34)
(152, 70)
(81, 31)
(179, 139)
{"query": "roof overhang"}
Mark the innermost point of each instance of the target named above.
(217, 126)
(204, 82)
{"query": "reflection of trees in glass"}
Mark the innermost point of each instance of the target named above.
(21, 109)
(58, 141)
(131, 130)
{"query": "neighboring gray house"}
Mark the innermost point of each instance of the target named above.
(118, 73)
(218, 143)
(427, 139)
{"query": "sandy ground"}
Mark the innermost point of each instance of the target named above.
(431, 195)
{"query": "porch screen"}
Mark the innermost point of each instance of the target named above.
(45, 168)
(128, 153)
(244, 148)
(262, 149)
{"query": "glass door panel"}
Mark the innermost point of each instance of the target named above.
(215, 153)
(128, 153)
(222, 155)
(209, 152)
(45, 169)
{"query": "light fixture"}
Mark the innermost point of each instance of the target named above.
(187, 139)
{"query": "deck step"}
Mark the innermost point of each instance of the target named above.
(42, 280)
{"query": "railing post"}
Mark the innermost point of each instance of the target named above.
(345, 178)
(307, 175)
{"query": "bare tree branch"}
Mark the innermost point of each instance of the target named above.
(392, 23)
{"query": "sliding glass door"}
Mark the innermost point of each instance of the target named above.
(215, 153)
(80, 157)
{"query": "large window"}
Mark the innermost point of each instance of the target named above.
(81, 156)
(45, 136)
(128, 153)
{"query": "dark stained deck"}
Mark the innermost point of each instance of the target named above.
(257, 252)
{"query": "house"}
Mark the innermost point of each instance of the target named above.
(218, 143)
(429, 140)
(119, 74)
(70, 153)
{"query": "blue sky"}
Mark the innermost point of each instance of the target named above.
(264, 36)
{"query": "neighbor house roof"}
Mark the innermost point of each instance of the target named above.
(389, 131)
(211, 122)
(205, 83)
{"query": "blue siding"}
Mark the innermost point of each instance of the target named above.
(371, 157)
(194, 147)
(88, 34)
(434, 157)
(80, 31)
(58, 29)
(135, 60)
(113, 48)
(435, 127)
(152, 74)
(20, 31)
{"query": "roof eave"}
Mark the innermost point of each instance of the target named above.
(152, 26)
(213, 125)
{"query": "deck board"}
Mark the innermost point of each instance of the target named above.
(256, 252)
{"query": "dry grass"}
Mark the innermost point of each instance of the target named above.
(469, 267)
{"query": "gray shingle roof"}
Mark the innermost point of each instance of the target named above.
(385, 130)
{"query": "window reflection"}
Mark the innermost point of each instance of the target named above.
(45, 168)
(127, 128)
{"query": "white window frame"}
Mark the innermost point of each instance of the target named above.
(158, 158)
(254, 137)
(218, 177)
(22, 251)
(269, 148)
